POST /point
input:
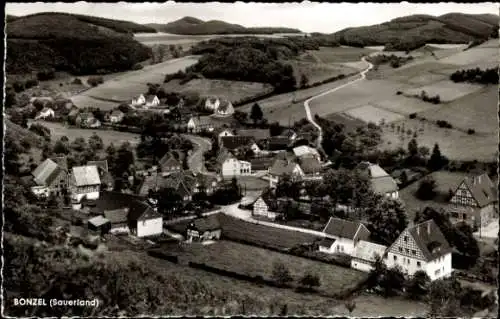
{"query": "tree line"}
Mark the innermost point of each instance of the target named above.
(477, 75)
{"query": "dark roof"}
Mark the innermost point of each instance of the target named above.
(282, 167)
(278, 143)
(234, 142)
(430, 239)
(327, 242)
(257, 134)
(223, 155)
(482, 189)
(169, 160)
(288, 133)
(261, 163)
(117, 216)
(310, 165)
(139, 210)
(342, 228)
(101, 165)
(61, 161)
(206, 223)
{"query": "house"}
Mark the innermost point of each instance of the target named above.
(290, 134)
(151, 101)
(197, 124)
(143, 220)
(229, 165)
(421, 247)
(237, 142)
(257, 134)
(311, 167)
(475, 200)
(212, 103)
(265, 207)
(73, 113)
(94, 123)
(365, 254)
(85, 182)
(107, 181)
(205, 228)
(85, 119)
(278, 143)
(261, 164)
(116, 116)
(138, 101)
(223, 132)
(168, 164)
(45, 113)
(282, 168)
(50, 178)
(304, 150)
(225, 108)
(381, 182)
(118, 219)
(99, 224)
(346, 235)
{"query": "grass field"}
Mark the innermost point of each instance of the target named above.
(446, 89)
(370, 113)
(317, 72)
(254, 261)
(341, 54)
(477, 111)
(404, 105)
(252, 183)
(349, 123)
(232, 90)
(444, 182)
(473, 55)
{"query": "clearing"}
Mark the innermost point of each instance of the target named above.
(370, 113)
(254, 261)
(447, 90)
(317, 72)
(475, 55)
(340, 54)
(234, 91)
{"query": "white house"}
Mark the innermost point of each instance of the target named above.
(265, 207)
(305, 150)
(116, 116)
(421, 247)
(230, 166)
(205, 228)
(225, 108)
(41, 191)
(144, 221)
(281, 168)
(152, 101)
(85, 182)
(381, 182)
(138, 101)
(342, 236)
(212, 103)
(45, 113)
(365, 254)
(198, 124)
(118, 219)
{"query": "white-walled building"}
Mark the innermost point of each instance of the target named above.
(151, 101)
(138, 101)
(212, 103)
(45, 113)
(421, 247)
(85, 182)
(365, 254)
(342, 236)
(230, 166)
(381, 182)
(144, 221)
(281, 168)
(265, 207)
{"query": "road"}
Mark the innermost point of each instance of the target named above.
(306, 103)
(196, 160)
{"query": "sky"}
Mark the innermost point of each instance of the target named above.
(306, 16)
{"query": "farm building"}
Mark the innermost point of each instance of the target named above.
(278, 143)
(265, 207)
(205, 228)
(46, 113)
(151, 101)
(50, 178)
(421, 247)
(197, 124)
(99, 224)
(85, 182)
(229, 165)
(212, 103)
(236, 142)
(381, 182)
(168, 164)
(116, 116)
(290, 134)
(475, 200)
(118, 219)
(305, 150)
(140, 100)
(281, 168)
(346, 233)
(256, 134)
(365, 254)
(222, 132)
(143, 220)
(104, 173)
(311, 167)
(225, 108)
(261, 164)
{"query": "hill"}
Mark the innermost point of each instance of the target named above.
(74, 43)
(194, 26)
(414, 31)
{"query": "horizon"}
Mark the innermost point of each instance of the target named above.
(306, 16)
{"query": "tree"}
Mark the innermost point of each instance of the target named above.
(418, 286)
(309, 281)
(256, 113)
(392, 282)
(79, 144)
(403, 178)
(386, 217)
(304, 81)
(95, 142)
(275, 129)
(240, 116)
(124, 159)
(436, 161)
(281, 275)
(413, 147)
(427, 189)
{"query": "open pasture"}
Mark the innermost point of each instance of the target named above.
(82, 101)
(233, 90)
(454, 144)
(350, 123)
(373, 114)
(358, 65)
(369, 305)
(254, 261)
(341, 54)
(447, 90)
(403, 105)
(317, 72)
(414, 72)
(473, 56)
(477, 111)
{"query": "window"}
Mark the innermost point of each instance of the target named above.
(400, 249)
(413, 252)
(405, 238)
(395, 258)
(419, 264)
(408, 261)
(407, 250)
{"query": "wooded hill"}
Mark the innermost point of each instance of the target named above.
(194, 26)
(75, 43)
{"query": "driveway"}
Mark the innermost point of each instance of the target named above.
(196, 161)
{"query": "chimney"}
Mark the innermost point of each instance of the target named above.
(428, 228)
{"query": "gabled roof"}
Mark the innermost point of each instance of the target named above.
(310, 165)
(282, 167)
(381, 182)
(150, 98)
(481, 188)
(117, 216)
(278, 143)
(342, 228)
(46, 172)
(368, 251)
(211, 99)
(223, 155)
(98, 221)
(305, 150)
(224, 105)
(139, 210)
(86, 175)
(103, 164)
(85, 116)
(207, 223)
(261, 163)
(430, 239)
(234, 142)
(62, 161)
(169, 160)
(257, 134)
(117, 113)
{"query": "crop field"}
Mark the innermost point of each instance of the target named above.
(252, 183)
(82, 101)
(232, 90)
(243, 259)
(370, 113)
(404, 105)
(415, 71)
(473, 56)
(454, 144)
(317, 72)
(126, 86)
(349, 123)
(341, 54)
(477, 111)
(57, 130)
(447, 90)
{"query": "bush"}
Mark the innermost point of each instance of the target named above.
(426, 189)
(399, 93)
(471, 131)
(95, 80)
(31, 83)
(443, 124)
(137, 66)
(413, 115)
(77, 81)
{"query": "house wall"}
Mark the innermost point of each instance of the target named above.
(362, 265)
(91, 192)
(149, 227)
(59, 183)
(341, 245)
(439, 268)
(245, 168)
(212, 106)
(40, 191)
(393, 195)
(231, 167)
(260, 208)
(472, 215)
(194, 235)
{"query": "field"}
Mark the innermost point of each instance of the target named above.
(474, 55)
(370, 113)
(444, 182)
(447, 90)
(404, 105)
(252, 183)
(233, 90)
(57, 130)
(317, 72)
(254, 261)
(128, 85)
(340, 54)
(349, 123)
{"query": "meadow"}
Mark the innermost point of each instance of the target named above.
(317, 72)
(447, 90)
(373, 114)
(340, 54)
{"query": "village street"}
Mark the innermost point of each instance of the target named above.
(196, 161)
